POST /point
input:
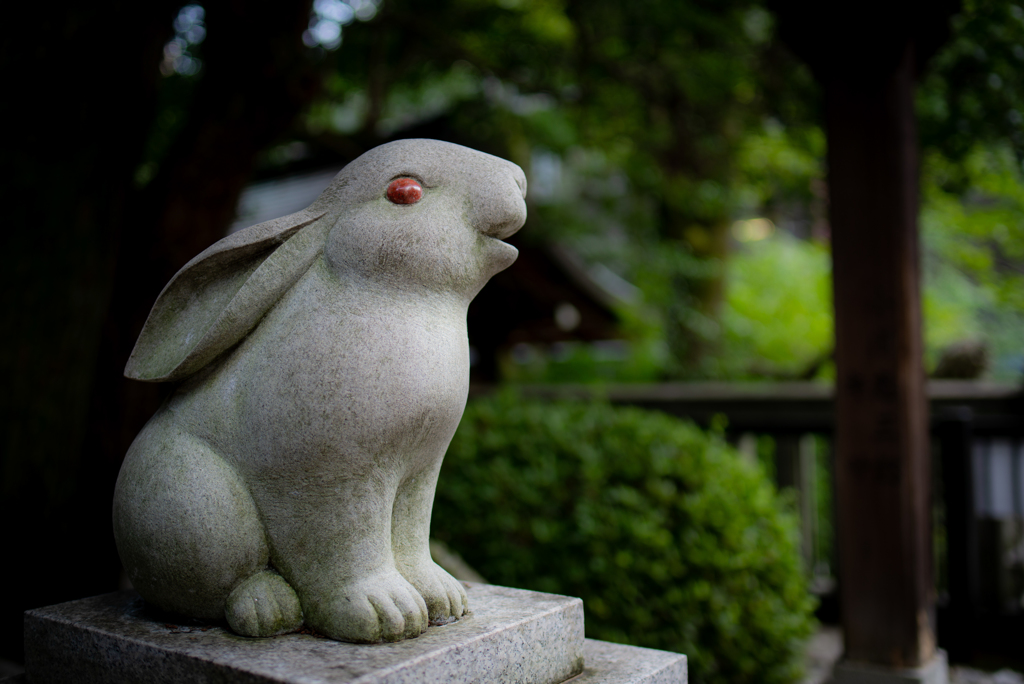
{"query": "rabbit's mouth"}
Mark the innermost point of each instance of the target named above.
(499, 254)
(503, 231)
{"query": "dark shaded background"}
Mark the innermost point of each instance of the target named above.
(88, 251)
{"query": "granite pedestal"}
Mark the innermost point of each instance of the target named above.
(511, 635)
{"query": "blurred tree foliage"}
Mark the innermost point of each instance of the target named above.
(971, 110)
(632, 116)
(648, 129)
(973, 242)
(778, 314)
(972, 92)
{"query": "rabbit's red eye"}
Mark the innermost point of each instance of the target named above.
(405, 191)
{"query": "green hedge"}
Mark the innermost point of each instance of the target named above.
(672, 540)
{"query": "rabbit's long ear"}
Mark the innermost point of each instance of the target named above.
(219, 296)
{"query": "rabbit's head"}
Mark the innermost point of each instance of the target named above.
(411, 214)
(424, 213)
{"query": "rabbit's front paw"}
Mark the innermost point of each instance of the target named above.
(382, 607)
(445, 596)
(262, 606)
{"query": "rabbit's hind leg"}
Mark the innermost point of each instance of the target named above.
(186, 526)
(264, 605)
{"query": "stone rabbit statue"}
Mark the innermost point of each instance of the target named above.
(323, 367)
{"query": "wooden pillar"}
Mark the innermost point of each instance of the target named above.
(882, 460)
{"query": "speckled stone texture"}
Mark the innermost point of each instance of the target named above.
(511, 635)
(617, 664)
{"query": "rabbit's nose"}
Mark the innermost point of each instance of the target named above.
(500, 206)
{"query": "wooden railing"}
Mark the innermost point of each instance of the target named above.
(978, 446)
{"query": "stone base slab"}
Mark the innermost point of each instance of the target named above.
(608, 663)
(512, 635)
(851, 672)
